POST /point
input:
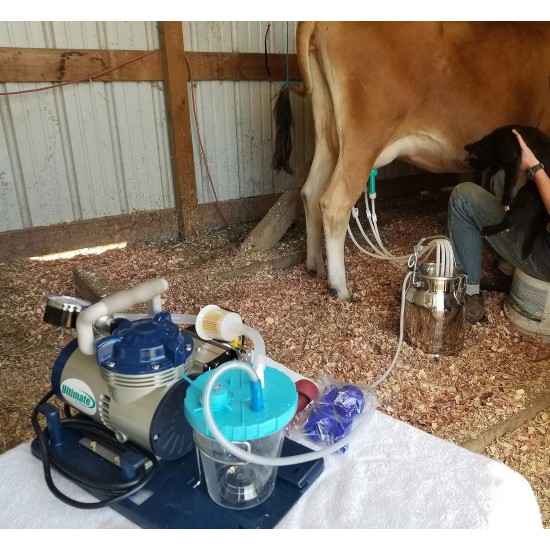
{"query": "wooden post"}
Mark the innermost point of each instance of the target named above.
(176, 77)
(274, 225)
(282, 215)
(483, 440)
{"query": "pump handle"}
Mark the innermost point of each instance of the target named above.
(147, 292)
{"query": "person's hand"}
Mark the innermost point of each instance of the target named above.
(528, 158)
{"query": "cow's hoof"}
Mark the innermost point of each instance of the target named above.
(315, 273)
(341, 295)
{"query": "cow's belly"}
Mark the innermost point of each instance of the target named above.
(431, 153)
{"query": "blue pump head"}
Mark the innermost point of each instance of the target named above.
(144, 346)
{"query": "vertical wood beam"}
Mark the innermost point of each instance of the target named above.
(176, 77)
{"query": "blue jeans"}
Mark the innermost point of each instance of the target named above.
(470, 208)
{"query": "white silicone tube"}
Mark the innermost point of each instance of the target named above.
(147, 292)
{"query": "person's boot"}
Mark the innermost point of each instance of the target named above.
(474, 308)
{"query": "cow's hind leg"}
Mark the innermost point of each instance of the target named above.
(342, 192)
(319, 174)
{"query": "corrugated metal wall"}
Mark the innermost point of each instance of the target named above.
(87, 150)
(97, 149)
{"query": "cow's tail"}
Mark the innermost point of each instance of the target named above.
(283, 110)
(283, 136)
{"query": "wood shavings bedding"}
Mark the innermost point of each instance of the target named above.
(494, 377)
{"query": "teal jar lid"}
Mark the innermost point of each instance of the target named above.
(230, 401)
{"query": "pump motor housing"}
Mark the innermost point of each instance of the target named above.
(133, 385)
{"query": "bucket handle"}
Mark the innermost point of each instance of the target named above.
(412, 264)
(460, 289)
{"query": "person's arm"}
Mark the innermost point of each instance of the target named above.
(542, 181)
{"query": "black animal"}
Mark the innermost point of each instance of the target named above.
(500, 150)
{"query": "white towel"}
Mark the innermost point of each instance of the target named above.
(392, 476)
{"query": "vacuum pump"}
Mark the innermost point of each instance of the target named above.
(125, 371)
(140, 384)
(133, 384)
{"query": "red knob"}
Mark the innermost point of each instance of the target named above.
(307, 392)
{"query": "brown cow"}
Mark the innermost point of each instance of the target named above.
(415, 91)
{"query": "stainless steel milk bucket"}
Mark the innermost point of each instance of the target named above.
(434, 310)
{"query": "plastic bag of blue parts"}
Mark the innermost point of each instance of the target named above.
(338, 410)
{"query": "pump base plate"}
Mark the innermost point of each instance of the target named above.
(173, 500)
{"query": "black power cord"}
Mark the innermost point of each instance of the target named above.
(115, 492)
